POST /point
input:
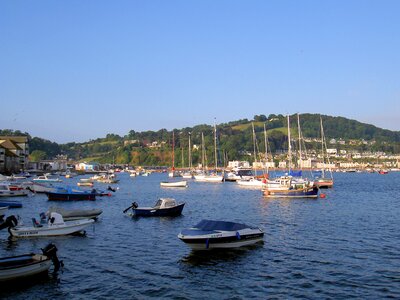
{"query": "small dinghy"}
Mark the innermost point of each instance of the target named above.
(56, 226)
(209, 234)
(76, 214)
(182, 183)
(164, 207)
(10, 203)
(24, 266)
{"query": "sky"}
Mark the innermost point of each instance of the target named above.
(78, 70)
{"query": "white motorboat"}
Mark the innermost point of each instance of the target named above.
(182, 183)
(46, 178)
(55, 227)
(213, 178)
(25, 266)
(8, 190)
(209, 234)
(38, 187)
(76, 214)
(253, 182)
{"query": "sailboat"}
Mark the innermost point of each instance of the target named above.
(214, 177)
(188, 174)
(324, 181)
(253, 181)
(173, 172)
(286, 186)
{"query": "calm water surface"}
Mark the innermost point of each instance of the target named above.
(344, 246)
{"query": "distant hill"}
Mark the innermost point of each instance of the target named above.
(234, 140)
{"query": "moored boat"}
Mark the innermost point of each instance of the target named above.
(76, 214)
(210, 234)
(164, 207)
(323, 182)
(27, 265)
(7, 190)
(182, 183)
(46, 178)
(55, 227)
(10, 203)
(69, 194)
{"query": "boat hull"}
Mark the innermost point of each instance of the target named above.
(69, 227)
(71, 196)
(23, 266)
(310, 192)
(162, 212)
(232, 241)
(174, 184)
(14, 193)
(323, 183)
(11, 204)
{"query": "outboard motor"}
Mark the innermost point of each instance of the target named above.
(51, 252)
(10, 222)
(135, 205)
(111, 189)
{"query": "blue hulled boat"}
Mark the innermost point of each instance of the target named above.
(70, 194)
(10, 203)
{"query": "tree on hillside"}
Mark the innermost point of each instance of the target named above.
(260, 118)
(37, 155)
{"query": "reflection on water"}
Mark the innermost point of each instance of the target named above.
(216, 256)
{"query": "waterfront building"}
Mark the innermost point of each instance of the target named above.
(13, 154)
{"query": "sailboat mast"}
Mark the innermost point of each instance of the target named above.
(299, 129)
(254, 148)
(266, 147)
(202, 150)
(323, 147)
(173, 150)
(190, 154)
(289, 146)
(215, 146)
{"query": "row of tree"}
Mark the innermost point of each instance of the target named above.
(234, 140)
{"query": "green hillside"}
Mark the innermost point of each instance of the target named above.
(234, 139)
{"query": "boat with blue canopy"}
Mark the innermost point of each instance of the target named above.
(210, 234)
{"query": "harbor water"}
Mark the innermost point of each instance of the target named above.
(344, 246)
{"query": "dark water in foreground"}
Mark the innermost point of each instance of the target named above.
(344, 246)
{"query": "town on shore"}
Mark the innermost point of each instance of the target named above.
(14, 158)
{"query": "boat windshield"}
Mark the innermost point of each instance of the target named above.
(209, 225)
(245, 172)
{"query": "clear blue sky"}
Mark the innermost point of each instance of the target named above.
(77, 70)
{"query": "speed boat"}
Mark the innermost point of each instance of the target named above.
(25, 266)
(55, 227)
(209, 234)
(164, 207)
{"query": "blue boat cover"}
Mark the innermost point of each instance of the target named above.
(210, 225)
(295, 174)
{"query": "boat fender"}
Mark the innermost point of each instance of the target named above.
(238, 235)
(207, 243)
